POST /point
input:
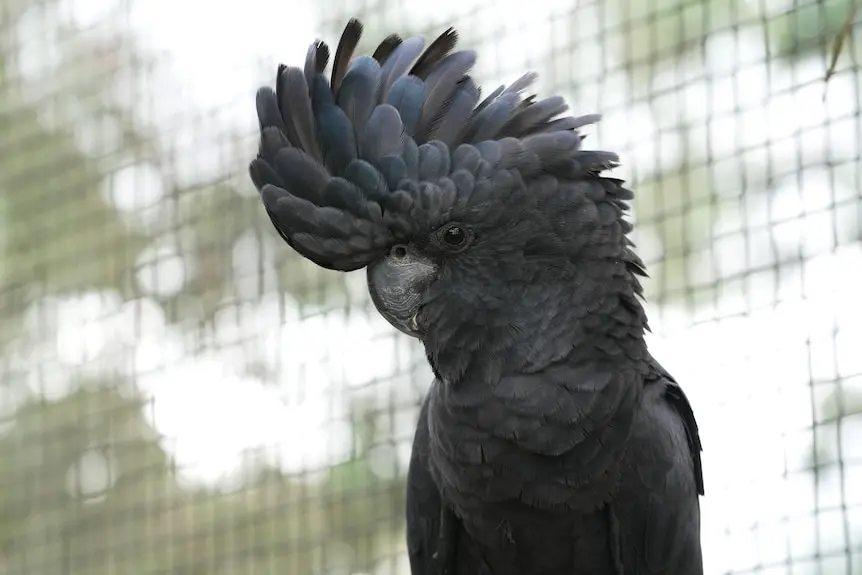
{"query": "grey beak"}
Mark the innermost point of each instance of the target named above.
(397, 283)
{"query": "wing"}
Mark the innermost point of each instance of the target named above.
(436, 541)
(676, 397)
(659, 511)
(424, 505)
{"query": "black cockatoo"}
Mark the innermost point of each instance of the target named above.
(550, 442)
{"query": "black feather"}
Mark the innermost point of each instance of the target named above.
(385, 49)
(439, 49)
(316, 61)
(344, 53)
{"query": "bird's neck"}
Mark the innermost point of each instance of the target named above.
(552, 323)
(558, 397)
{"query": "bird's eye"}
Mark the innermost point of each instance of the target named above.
(453, 237)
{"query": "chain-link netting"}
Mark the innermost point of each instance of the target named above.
(181, 393)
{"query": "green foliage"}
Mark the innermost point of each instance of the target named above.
(61, 234)
(809, 29)
(656, 34)
(135, 517)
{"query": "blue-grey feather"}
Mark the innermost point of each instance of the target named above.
(439, 86)
(488, 99)
(298, 215)
(271, 141)
(512, 153)
(268, 113)
(550, 149)
(384, 134)
(345, 195)
(410, 153)
(369, 180)
(491, 151)
(337, 140)
(589, 162)
(486, 125)
(447, 195)
(466, 157)
(321, 92)
(303, 176)
(397, 64)
(436, 199)
(433, 161)
(394, 170)
(521, 84)
(586, 120)
(407, 96)
(296, 111)
(566, 123)
(358, 93)
(262, 173)
(310, 69)
(533, 116)
(396, 208)
(463, 180)
(483, 188)
(457, 115)
(309, 246)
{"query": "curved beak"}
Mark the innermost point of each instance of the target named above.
(397, 283)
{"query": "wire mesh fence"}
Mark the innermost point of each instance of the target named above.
(181, 393)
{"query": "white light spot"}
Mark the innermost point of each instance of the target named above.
(91, 476)
(161, 271)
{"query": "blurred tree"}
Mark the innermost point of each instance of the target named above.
(85, 483)
(808, 29)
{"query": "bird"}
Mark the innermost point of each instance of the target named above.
(550, 441)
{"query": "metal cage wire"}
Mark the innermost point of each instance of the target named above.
(180, 393)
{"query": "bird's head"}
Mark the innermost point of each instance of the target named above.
(459, 209)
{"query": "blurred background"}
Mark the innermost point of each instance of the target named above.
(181, 394)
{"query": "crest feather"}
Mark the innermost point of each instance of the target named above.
(347, 164)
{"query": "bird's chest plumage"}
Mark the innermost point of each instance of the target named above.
(523, 475)
(508, 498)
(473, 462)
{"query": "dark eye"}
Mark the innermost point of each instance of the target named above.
(453, 237)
